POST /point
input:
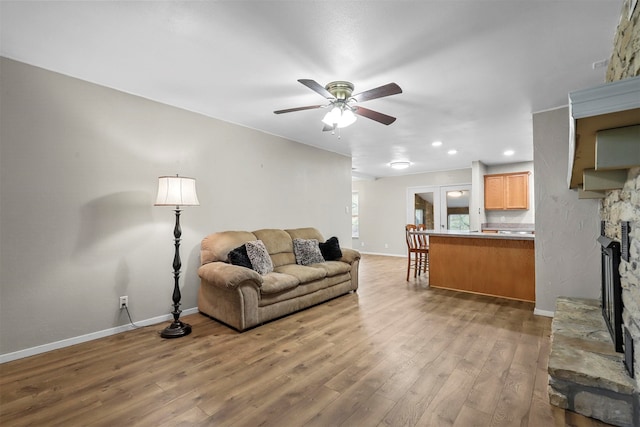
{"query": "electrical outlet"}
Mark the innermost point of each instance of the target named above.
(124, 302)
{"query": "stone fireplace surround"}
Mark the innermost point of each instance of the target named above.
(586, 375)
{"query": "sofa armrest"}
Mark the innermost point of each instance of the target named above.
(228, 275)
(349, 255)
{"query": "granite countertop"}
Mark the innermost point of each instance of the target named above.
(500, 226)
(481, 235)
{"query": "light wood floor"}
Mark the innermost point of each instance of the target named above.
(394, 354)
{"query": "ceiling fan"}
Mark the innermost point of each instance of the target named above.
(342, 104)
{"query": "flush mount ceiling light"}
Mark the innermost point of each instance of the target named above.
(399, 165)
(455, 194)
(452, 151)
(436, 143)
(509, 153)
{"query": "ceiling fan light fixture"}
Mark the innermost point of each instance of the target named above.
(399, 165)
(339, 117)
(347, 118)
(332, 117)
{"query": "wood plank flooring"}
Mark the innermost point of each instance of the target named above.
(395, 353)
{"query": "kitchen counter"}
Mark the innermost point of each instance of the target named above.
(513, 235)
(508, 227)
(494, 264)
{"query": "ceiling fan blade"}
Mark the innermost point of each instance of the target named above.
(317, 87)
(379, 92)
(374, 115)
(291, 110)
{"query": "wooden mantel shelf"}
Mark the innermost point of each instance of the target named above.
(609, 106)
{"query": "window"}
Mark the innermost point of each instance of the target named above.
(458, 222)
(355, 224)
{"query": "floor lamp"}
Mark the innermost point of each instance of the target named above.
(176, 191)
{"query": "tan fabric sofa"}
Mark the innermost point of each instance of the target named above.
(242, 298)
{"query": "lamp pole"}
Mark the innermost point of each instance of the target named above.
(177, 328)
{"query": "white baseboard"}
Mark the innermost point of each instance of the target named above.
(545, 313)
(379, 253)
(8, 357)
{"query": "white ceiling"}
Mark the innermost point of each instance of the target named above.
(472, 72)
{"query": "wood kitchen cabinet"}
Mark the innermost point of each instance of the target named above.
(506, 191)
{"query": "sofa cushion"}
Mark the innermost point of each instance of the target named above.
(278, 244)
(259, 257)
(315, 287)
(331, 249)
(333, 268)
(307, 251)
(238, 256)
(305, 233)
(278, 282)
(304, 273)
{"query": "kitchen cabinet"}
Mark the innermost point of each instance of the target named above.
(506, 191)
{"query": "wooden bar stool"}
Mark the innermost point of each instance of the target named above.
(423, 242)
(416, 254)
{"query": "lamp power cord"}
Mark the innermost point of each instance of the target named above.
(129, 315)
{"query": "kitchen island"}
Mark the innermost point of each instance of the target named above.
(495, 264)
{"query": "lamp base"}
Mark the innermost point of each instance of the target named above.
(176, 329)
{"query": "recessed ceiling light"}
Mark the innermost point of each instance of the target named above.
(452, 151)
(509, 153)
(436, 143)
(399, 165)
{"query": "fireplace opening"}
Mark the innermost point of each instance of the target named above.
(612, 290)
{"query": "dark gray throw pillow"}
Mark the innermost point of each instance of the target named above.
(238, 256)
(331, 249)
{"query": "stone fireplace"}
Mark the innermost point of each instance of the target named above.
(592, 362)
(586, 373)
(621, 206)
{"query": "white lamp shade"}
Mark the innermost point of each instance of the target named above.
(176, 191)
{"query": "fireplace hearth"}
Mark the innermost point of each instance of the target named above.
(586, 374)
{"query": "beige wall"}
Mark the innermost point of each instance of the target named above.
(567, 254)
(78, 175)
(383, 208)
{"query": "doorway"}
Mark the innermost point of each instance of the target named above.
(439, 207)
